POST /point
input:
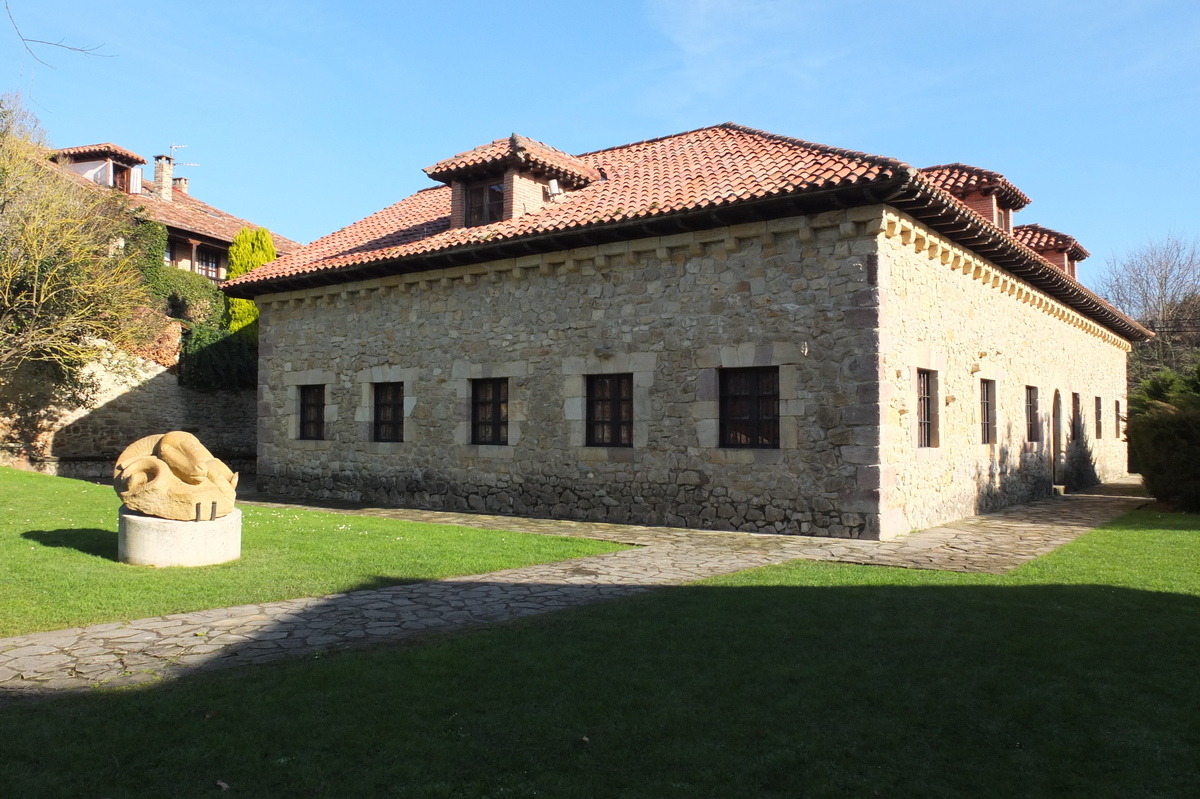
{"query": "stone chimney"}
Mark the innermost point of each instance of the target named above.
(164, 168)
(181, 184)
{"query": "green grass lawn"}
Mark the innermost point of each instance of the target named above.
(1075, 675)
(58, 550)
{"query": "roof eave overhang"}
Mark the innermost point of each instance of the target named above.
(639, 227)
(968, 229)
(907, 192)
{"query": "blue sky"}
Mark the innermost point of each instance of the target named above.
(307, 116)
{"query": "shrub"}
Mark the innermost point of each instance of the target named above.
(214, 358)
(188, 296)
(1164, 436)
(1165, 440)
(251, 248)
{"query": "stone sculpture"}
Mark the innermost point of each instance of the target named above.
(173, 476)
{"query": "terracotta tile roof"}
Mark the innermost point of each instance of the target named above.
(704, 168)
(708, 176)
(525, 153)
(106, 150)
(963, 179)
(1043, 239)
(185, 212)
(188, 214)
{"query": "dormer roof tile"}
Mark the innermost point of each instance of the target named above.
(1042, 239)
(94, 151)
(964, 179)
(520, 151)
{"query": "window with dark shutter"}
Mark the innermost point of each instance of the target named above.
(389, 412)
(926, 408)
(485, 203)
(489, 411)
(987, 411)
(610, 410)
(749, 408)
(208, 263)
(1033, 424)
(312, 412)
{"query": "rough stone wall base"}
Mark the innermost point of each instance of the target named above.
(696, 507)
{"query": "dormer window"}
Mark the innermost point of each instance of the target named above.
(106, 164)
(485, 203)
(508, 178)
(121, 177)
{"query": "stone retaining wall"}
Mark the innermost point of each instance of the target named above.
(137, 398)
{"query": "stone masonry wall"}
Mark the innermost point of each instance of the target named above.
(945, 310)
(672, 311)
(137, 398)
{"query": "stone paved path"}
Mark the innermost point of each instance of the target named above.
(143, 650)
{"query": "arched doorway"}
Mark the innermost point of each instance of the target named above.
(1057, 463)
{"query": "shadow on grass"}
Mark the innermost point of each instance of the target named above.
(88, 540)
(943, 687)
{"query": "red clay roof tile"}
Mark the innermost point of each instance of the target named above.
(186, 213)
(963, 179)
(525, 153)
(1042, 239)
(105, 150)
(709, 167)
(725, 166)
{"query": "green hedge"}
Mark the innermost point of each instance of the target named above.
(213, 358)
(1165, 440)
(188, 296)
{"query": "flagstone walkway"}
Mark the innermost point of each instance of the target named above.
(123, 653)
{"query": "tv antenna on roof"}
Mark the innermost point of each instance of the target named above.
(175, 147)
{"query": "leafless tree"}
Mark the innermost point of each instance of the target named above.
(1159, 285)
(26, 41)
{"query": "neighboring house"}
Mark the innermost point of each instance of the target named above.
(198, 235)
(723, 329)
(137, 396)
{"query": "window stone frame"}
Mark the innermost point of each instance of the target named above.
(462, 373)
(364, 412)
(926, 359)
(785, 355)
(310, 377)
(575, 371)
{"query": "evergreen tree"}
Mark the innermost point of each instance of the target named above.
(251, 248)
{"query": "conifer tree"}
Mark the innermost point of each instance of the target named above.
(251, 248)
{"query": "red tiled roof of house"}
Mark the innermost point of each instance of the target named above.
(1041, 239)
(105, 150)
(963, 179)
(704, 168)
(525, 153)
(727, 170)
(186, 213)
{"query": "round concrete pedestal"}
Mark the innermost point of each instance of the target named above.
(150, 541)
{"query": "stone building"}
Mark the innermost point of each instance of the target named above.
(723, 329)
(198, 234)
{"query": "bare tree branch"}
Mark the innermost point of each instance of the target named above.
(26, 41)
(1159, 285)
